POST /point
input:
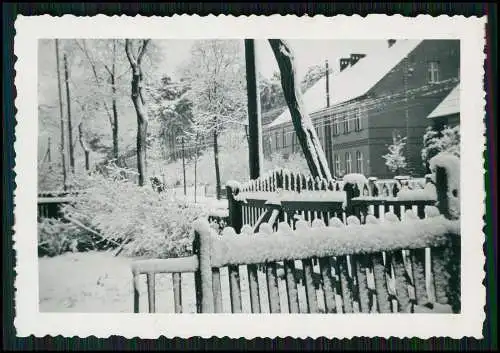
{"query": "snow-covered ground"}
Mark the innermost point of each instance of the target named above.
(99, 282)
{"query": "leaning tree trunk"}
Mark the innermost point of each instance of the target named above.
(217, 170)
(306, 134)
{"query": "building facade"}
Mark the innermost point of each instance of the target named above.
(374, 98)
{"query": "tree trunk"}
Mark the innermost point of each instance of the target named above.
(63, 155)
(142, 127)
(70, 126)
(114, 125)
(85, 148)
(217, 171)
(306, 134)
(138, 100)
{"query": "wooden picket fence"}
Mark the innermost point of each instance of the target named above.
(296, 196)
(352, 260)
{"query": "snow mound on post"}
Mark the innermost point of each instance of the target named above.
(357, 179)
(451, 164)
(306, 242)
(233, 184)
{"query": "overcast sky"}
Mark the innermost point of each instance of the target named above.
(307, 53)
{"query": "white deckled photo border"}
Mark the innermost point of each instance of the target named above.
(471, 32)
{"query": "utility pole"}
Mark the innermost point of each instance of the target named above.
(195, 166)
(183, 166)
(62, 117)
(254, 115)
(70, 127)
(406, 73)
(327, 84)
(328, 131)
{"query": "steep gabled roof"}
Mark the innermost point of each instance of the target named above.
(353, 81)
(448, 106)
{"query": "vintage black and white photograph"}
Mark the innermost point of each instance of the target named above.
(254, 175)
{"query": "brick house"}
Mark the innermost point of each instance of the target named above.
(372, 97)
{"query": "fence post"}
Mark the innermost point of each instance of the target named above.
(203, 276)
(372, 186)
(450, 209)
(234, 208)
(351, 191)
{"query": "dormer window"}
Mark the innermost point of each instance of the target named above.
(433, 72)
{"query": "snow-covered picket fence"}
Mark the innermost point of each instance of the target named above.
(376, 267)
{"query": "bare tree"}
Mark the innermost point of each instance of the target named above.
(135, 60)
(216, 76)
(110, 66)
(306, 134)
(63, 157)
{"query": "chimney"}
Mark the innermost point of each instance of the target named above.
(355, 58)
(391, 42)
(327, 84)
(344, 62)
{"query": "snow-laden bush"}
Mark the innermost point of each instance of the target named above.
(56, 237)
(447, 140)
(120, 210)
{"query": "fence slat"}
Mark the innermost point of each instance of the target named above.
(379, 273)
(272, 288)
(360, 265)
(136, 292)
(312, 300)
(401, 279)
(150, 278)
(418, 272)
(253, 284)
(346, 287)
(234, 288)
(177, 284)
(216, 288)
(291, 286)
(328, 284)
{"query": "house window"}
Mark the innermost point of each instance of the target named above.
(283, 135)
(346, 123)
(433, 72)
(348, 163)
(336, 127)
(359, 162)
(337, 165)
(357, 120)
(277, 136)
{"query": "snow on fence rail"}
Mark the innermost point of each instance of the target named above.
(404, 262)
(374, 267)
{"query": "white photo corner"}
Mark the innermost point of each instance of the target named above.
(250, 177)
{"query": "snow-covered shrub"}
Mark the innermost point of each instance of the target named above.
(395, 159)
(56, 237)
(120, 210)
(448, 140)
